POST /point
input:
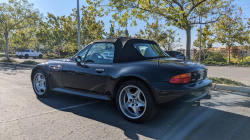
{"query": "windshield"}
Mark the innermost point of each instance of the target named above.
(150, 50)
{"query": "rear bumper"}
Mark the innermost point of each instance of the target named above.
(165, 92)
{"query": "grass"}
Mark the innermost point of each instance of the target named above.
(226, 81)
(9, 60)
(29, 62)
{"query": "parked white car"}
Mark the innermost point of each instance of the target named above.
(108, 54)
(29, 53)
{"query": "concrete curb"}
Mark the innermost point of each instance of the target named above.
(231, 88)
(21, 65)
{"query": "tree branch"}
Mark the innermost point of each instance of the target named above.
(194, 6)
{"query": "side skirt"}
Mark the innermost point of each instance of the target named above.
(102, 97)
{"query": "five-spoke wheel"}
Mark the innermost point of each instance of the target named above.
(41, 84)
(135, 101)
(132, 101)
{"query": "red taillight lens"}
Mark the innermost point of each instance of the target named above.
(181, 79)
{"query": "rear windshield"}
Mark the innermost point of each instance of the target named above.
(27, 51)
(150, 50)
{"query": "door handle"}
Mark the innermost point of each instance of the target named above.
(99, 70)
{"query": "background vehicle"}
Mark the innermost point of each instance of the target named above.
(108, 54)
(137, 78)
(176, 54)
(29, 53)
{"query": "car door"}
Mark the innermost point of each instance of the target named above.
(92, 76)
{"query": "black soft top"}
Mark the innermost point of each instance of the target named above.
(124, 48)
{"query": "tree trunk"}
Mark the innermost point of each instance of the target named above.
(188, 42)
(7, 48)
(229, 54)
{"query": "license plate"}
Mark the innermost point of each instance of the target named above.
(201, 74)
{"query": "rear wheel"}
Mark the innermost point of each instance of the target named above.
(40, 56)
(20, 57)
(135, 101)
(26, 56)
(41, 84)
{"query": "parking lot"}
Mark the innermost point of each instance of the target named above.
(63, 116)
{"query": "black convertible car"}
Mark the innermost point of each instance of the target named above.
(135, 73)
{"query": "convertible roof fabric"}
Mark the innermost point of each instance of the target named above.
(124, 48)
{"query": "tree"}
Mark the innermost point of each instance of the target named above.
(247, 36)
(44, 34)
(160, 34)
(111, 31)
(2, 42)
(207, 39)
(180, 13)
(230, 29)
(16, 15)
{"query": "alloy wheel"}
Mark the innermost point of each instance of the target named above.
(39, 83)
(132, 102)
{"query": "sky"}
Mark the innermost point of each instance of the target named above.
(64, 7)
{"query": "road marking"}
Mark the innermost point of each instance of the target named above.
(60, 109)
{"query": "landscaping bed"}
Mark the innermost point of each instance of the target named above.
(226, 81)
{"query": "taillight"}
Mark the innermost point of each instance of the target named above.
(181, 79)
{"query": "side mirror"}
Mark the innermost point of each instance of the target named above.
(78, 60)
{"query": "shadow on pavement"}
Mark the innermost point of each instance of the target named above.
(12, 69)
(174, 122)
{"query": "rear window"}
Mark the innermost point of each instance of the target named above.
(150, 50)
(27, 51)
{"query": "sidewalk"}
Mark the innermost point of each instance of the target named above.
(240, 74)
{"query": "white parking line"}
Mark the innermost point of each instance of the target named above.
(60, 109)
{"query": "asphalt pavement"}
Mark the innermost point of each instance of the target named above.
(63, 116)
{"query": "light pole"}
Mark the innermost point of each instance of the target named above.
(78, 24)
(200, 40)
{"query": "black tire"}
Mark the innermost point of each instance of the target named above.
(20, 57)
(47, 93)
(34, 57)
(151, 107)
(40, 56)
(26, 56)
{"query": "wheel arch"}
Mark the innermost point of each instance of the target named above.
(127, 78)
(37, 67)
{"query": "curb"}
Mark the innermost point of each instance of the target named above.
(231, 88)
(226, 65)
(21, 65)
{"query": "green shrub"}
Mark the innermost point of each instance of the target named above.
(4, 55)
(9, 60)
(215, 56)
(197, 56)
(226, 81)
(29, 62)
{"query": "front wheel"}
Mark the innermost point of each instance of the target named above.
(135, 101)
(40, 84)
